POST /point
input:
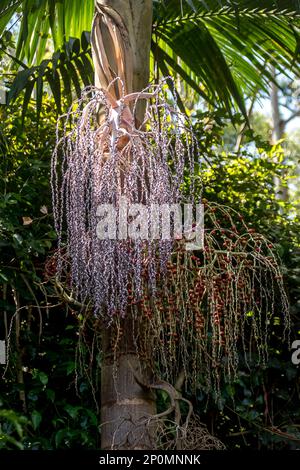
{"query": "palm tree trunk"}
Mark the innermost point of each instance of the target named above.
(121, 39)
(125, 406)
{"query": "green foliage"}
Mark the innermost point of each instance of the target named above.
(261, 409)
(54, 406)
(12, 430)
(58, 19)
(50, 415)
(25, 223)
(48, 398)
(65, 72)
(58, 415)
(200, 42)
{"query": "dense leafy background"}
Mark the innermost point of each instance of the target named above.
(220, 49)
(48, 400)
(57, 409)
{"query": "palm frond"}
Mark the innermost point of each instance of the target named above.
(65, 73)
(227, 45)
(53, 20)
(168, 11)
(220, 48)
(7, 9)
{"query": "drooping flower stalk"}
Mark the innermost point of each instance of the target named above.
(198, 310)
(105, 157)
(217, 307)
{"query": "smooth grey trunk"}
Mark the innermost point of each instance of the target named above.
(278, 129)
(125, 406)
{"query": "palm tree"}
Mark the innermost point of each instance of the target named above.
(219, 49)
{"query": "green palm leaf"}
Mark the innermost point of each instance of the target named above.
(63, 72)
(228, 45)
(59, 20)
(220, 49)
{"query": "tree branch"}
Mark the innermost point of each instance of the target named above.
(291, 117)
